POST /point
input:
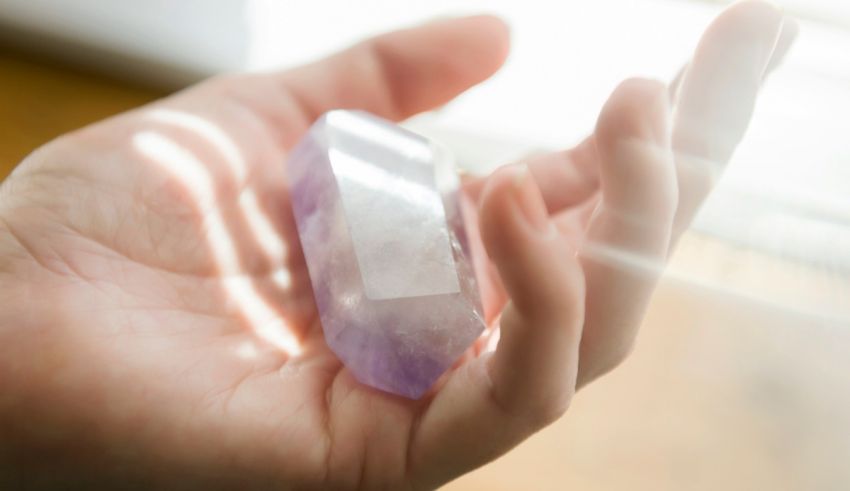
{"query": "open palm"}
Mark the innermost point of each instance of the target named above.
(157, 324)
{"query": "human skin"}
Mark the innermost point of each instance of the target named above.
(130, 353)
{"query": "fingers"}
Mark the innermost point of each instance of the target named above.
(717, 97)
(567, 178)
(495, 401)
(394, 75)
(540, 328)
(790, 30)
(530, 378)
(629, 233)
(570, 177)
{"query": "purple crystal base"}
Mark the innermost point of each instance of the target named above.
(381, 228)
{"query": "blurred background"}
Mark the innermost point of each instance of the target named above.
(741, 376)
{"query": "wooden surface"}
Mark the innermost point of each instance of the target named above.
(721, 393)
(41, 100)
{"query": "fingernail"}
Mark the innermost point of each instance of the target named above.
(528, 199)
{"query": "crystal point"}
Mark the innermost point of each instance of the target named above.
(380, 222)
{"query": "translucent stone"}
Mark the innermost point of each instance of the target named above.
(380, 222)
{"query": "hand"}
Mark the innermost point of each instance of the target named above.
(157, 327)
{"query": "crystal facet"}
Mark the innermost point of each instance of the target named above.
(380, 222)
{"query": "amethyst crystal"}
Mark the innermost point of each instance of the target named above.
(380, 223)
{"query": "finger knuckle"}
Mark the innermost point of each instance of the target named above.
(546, 410)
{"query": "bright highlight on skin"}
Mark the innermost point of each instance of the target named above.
(179, 162)
(264, 233)
(213, 135)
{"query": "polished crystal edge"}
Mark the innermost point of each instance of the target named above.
(380, 222)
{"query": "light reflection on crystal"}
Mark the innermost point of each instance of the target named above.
(388, 260)
(353, 168)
